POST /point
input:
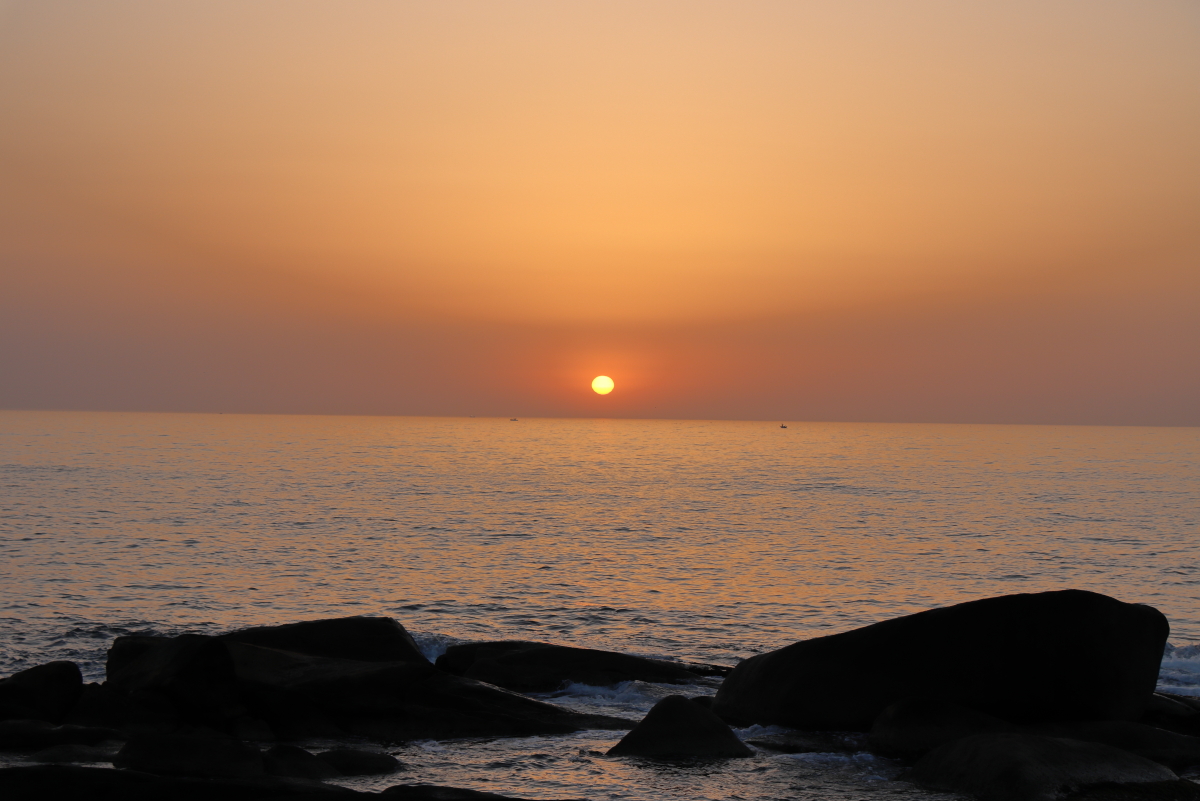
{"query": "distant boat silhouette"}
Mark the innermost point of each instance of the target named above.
(781, 425)
(512, 419)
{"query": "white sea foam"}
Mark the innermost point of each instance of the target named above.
(1180, 671)
(432, 645)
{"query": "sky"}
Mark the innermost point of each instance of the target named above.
(952, 212)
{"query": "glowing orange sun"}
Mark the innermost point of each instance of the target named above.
(602, 385)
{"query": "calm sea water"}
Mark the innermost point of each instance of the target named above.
(694, 539)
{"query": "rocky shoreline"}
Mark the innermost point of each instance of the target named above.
(1015, 698)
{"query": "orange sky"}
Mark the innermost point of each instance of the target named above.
(919, 211)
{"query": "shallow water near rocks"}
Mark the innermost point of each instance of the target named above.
(699, 540)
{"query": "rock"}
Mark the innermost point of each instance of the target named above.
(815, 742)
(294, 762)
(432, 792)
(45, 782)
(1178, 790)
(127, 649)
(1177, 713)
(352, 762)
(676, 727)
(35, 735)
(184, 755)
(539, 667)
(365, 639)
(1159, 745)
(1038, 657)
(189, 678)
(395, 701)
(46, 692)
(1028, 767)
(75, 753)
(915, 726)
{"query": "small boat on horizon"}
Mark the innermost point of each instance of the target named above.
(781, 425)
(512, 419)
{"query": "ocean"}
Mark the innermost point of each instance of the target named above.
(701, 540)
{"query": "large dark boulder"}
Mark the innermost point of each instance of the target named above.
(540, 667)
(1028, 767)
(675, 727)
(1052, 656)
(46, 692)
(365, 639)
(394, 701)
(163, 679)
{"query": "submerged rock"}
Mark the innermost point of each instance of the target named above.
(1052, 656)
(45, 692)
(541, 667)
(676, 727)
(1029, 767)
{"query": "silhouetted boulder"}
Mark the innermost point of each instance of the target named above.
(294, 762)
(675, 727)
(915, 726)
(188, 678)
(364, 639)
(34, 735)
(394, 701)
(1052, 656)
(540, 667)
(1028, 767)
(185, 755)
(46, 692)
(353, 762)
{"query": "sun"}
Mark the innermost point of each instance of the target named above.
(602, 385)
